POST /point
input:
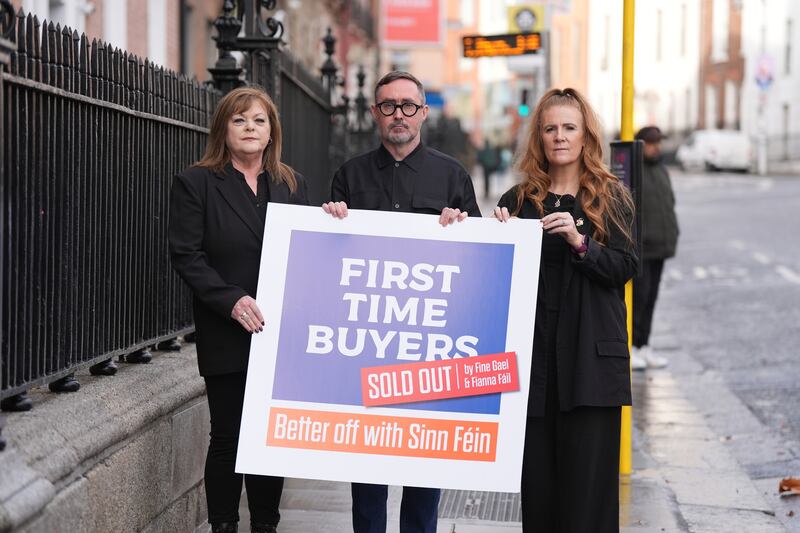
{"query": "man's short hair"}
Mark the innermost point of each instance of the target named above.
(400, 75)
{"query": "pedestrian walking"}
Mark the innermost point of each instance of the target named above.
(580, 373)
(405, 176)
(217, 213)
(659, 242)
(489, 159)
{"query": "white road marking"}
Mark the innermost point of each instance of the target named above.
(738, 245)
(699, 272)
(762, 258)
(788, 274)
(675, 274)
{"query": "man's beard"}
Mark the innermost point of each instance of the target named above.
(399, 137)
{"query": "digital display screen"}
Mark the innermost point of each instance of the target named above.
(513, 44)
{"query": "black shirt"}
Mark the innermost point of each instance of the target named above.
(260, 199)
(426, 181)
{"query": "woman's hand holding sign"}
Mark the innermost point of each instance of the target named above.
(246, 312)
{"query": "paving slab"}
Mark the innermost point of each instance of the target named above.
(703, 519)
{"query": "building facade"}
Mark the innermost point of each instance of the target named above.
(178, 34)
(771, 81)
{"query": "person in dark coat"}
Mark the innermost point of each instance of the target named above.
(404, 176)
(580, 375)
(217, 213)
(489, 158)
(659, 241)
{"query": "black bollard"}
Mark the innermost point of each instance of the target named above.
(103, 368)
(169, 345)
(17, 403)
(139, 357)
(66, 384)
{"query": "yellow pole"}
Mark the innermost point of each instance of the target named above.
(626, 134)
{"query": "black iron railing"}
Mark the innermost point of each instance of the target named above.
(92, 138)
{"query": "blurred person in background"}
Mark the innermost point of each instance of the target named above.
(659, 241)
(489, 159)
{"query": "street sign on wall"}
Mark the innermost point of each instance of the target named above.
(526, 18)
(411, 22)
(512, 44)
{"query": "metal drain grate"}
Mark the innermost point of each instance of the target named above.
(477, 505)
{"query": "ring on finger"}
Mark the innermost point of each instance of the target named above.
(243, 316)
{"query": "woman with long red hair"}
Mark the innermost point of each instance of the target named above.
(580, 373)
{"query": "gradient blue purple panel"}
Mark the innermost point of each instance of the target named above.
(477, 306)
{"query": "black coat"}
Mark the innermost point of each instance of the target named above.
(215, 236)
(659, 222)
(592, 337)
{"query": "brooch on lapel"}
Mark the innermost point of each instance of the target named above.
(579, 223)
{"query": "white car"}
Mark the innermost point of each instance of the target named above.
(716, 150)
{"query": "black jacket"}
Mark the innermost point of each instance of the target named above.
(659, 223)
(592, 339)
(215, 236)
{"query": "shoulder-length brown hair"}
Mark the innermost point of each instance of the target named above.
(237, 101)
(603, 198)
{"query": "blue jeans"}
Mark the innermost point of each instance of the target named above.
(419, 509)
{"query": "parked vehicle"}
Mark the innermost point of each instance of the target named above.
(716, 150)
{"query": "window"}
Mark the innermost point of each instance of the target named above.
(711, 106)
(658, 35)
(606, 43)
(720, 23)
(731, 119)
(187, 56)
(688, 110)
(684, 22)
(787, 52)
(555, 58)
(467, 12)
(576, 49)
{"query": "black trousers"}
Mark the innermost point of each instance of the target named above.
(223, 485)
(645, 294)
(570, 471)
(419, 508)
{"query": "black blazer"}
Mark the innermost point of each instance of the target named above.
(592, 337)
(215, 237)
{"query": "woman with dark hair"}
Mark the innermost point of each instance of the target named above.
(580, 372)
(217, 213)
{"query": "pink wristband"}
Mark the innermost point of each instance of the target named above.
(583, 247)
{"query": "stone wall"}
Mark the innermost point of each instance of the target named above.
(125, 453)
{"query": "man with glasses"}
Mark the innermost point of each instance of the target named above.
(401, 175)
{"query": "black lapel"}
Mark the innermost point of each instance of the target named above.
(235, 195)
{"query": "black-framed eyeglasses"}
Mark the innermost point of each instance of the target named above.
(388, 108)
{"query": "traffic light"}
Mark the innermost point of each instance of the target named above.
(523, 110)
